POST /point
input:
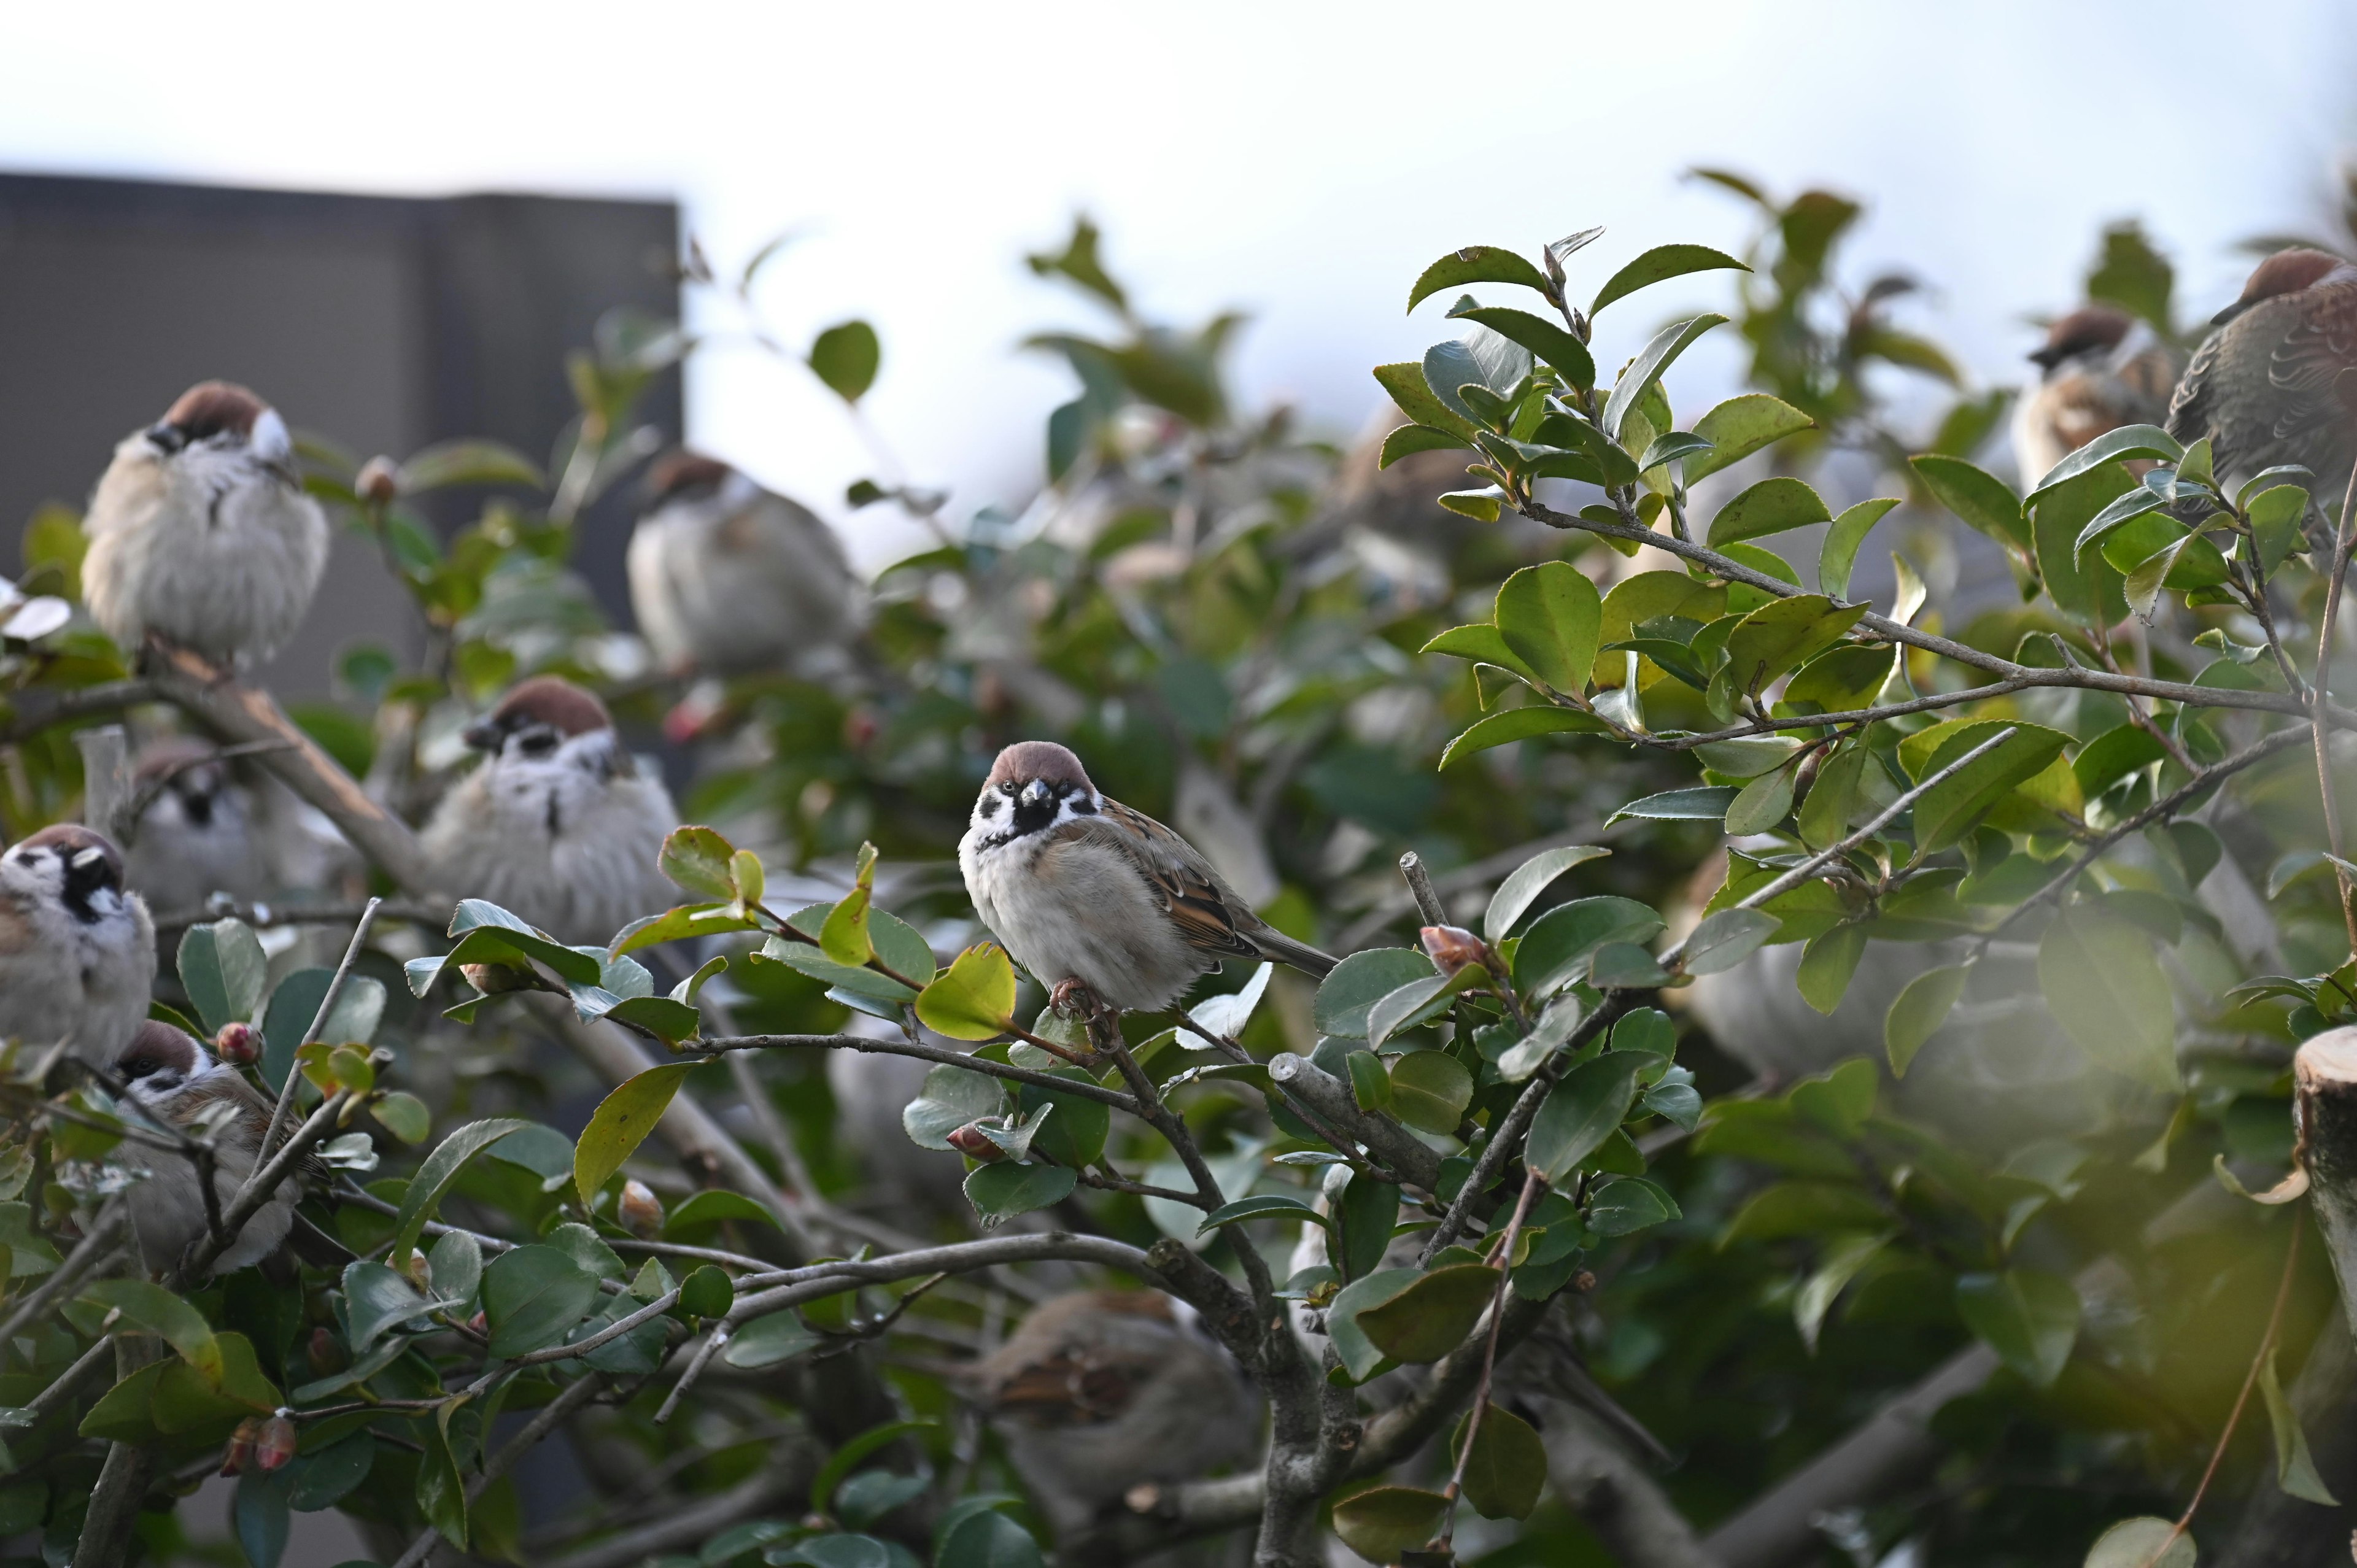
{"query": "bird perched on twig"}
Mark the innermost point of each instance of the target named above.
(2263, 387)
(76, 951)
(176, 1080)
(559, 824)
(200, 532)
(2099, 369)
(1102, 1391)
(1085, 891)
(727, 578)
(201, 830)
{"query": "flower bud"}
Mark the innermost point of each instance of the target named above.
(972, 1141)
(1452, 947)
(380, 481)
(276, 1445)
(240, 1045)
(325, 1352)
(1583, 1282)
(241, 1446)
(417, 1271)
(641, 1212)
(479, 1324)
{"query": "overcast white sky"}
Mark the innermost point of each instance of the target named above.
(1300, 162)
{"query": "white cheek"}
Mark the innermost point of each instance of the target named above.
(269, 441)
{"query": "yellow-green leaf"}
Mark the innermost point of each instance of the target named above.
(621, 1122)
(974, 999)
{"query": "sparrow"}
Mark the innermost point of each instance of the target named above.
(558, 825)
(727, 578)
(202, 829)
(1099, 1392)
(1083, 890)
(2100, 368)
(176, 1081)
(2261, 386)
(76, 951)
(201, 531)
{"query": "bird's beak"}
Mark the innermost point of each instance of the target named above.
(482, 735)
(1034, 792)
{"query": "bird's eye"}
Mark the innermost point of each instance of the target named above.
(140, 1067)
(540, 743)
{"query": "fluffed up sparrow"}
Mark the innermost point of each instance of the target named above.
(201, 531)
(176, 1080)
(1082, 889)
(76, 951)
(2261, 387)
(2099, 369)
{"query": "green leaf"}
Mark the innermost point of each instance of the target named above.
(805, 959)
(1842, 1260)
(1260, 1206)
(1781, 635)
(1076, 1134)
(1661, 262)
(1839, 554)
(1772, 506)
(2104, 983)
(1674, 447)
(1702, 803)
(1405, 385)
(706, 1293)
(1828, 962)
(1370, 1086)
(1558, 945)
(988, 1539)
(532, 1295)
(697, 859)
(222, 968)
(2295, 1467)
(1581, 1112)
(846, 358)
(1627, 1204)
(2127, 441)
(1541, 336)
(1977, 496)
(1360, 1359)
(1518, 724)
(1917, 1011)
(1508, 1466)
(766, 1342)
(1358, 983)
(2028, 1317)
(974, 999)
(2275, 513)
(1383, 1523)
(1477, 264)
(2113, 756)
(457, 1265)
(404, 1115)
(2146, 1543)
(1433, 1315)
(1365, 1213)
(435, 1177)
(1803, 1208)
(1409, 439)
(845, 937)
(1548, 614)
(1483, 643)
(1520, 890)
(159, 1312)
(1430, 1090)
(1764, 803)
(1948, 811)
(1646, 369)
(1001, 1192)
(1415, 1003)
(1726, 938)
(377, 1301)
(441, 1490)
(621, 1122)
(1741, 427)
(952, 1096)
(468, 461)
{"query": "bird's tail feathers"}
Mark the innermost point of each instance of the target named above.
(1276, 944)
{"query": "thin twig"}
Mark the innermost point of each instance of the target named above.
(1086, 1090)
(2323, 710)
(1419, 885)
(86, 1257)
(544, 1422)
(1532, 1185)
(279, 1112)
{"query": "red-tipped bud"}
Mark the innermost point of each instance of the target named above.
(276, 1446)
(479, 1324)
(325, 1352)
(1452, 947)
(970, 1142)
(641, 1212)
(860, 727)
(241, 1446)
(240, 1045)
(380, 481)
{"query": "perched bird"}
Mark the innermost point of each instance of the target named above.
(202, 830)
(1102, 1391)
(559, 825)
(2100, 368)
(201, 531)
(2261, 387)
(1084, 890)
(76, 951)
(727, 578)
(176, 1080)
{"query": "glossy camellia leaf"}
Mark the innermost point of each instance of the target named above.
(1827, 962)
(1519, 723)
(1842, 1260)
(532, 1295)
(1559, 942)
(1741, 427)
(1347, 995)
(706, 1293)
(1977, 496)
(1430, 1090)
(1917, 1011)
(1407, 389)
(987, 1538)
(454, 1263)
(1949, 809)
(846, 358)
(1542, 338)
(1432, 1316)
(1726, 938)
(1838, 555)
(150, 1306)
(467, 461)
(2146, 1543)
(766, 1342)
(1628, 1204)
(1477, 264)
(697, 859)
(377, 1300)
(2295, 1465)
(1783, 634)
(974, 999)
(1659, 263)
(1482, 642)
(1261, 1206)
(1522, 888)
(2127, 441)
(1384, 1523)
(1646, 369)
(2105, 984)
(2028, 1317)
(1702, 803)
(1410, 439)
(999, 1193)
(1581, 1112)
(1761, 805)
(440, 1169)
(952, 1096)
(621, 1122)
(1507, 1469)
(844, 938)
(1549, 615)
(1774, 505)
(223, 971)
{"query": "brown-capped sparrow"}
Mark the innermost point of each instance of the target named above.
(1082, 889)
(202, 829)
(76, 951)
(2261, 387)
(201, 531)
(2099, 369)
(176, 1080)
(559, 824)
(727, 578)
(1101, 1392)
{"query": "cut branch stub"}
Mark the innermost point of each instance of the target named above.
(2325, 1077)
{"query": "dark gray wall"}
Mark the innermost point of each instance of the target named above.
(380, 324)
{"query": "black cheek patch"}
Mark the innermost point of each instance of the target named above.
(1083, 807)
(987, 807)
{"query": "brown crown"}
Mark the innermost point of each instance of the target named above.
(211, 407)
(2090, 326)
(73, 838)
(2286, 272)
(680, 473)
(1041, 759)
(553, 701)
(156, 1047)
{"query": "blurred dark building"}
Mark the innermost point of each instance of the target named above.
(380, 324)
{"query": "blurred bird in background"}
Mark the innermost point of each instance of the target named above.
(176, 1080)
(200, 532)
(202, 825)
(2099, 369)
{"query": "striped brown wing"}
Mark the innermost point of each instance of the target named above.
(1199, 904)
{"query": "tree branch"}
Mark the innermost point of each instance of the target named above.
(889, 1047)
